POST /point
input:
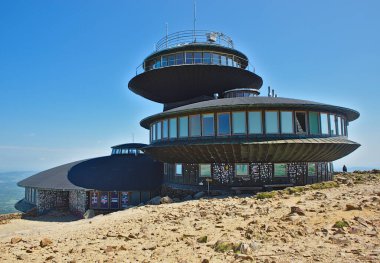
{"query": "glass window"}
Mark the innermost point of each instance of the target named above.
(313, 123)
(154, 132)
(229, 61)
(124, 202)
(344, 128)
(208, 124)
(179, 58)
(332, 125)
(165, 129)
(183, 126)
(224, 124)
(206, 58)
(223, 60)
(280, 170)
(159, 130)
(339, 125)
(178, 169)
(301, 123)
(324, 123)
(171, 60)
(157, 63)
(205, 170)
(189, 57)
(311, 169)
(254, 122)
(195, 125)
(164, 61)
(271, 121)
(216, 59)
(287, 122)
(173, 128)
(197, 57)
(239, 123)
(241, 169)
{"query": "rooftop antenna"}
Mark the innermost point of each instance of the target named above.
(195, 20)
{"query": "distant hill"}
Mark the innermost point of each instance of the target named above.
(10, 193)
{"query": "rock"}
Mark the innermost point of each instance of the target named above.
(45, 242)
(199, 195)
(89, 214)
(254, 246)
(245, 249)
(243, 257)
(205, 260)
(166, 200)
(21, 257)
(155, 201)
(202, 239)
(123, 247)
(297, 210)
(15, 240)
(49, 258)
(187, 198)
(350, 207)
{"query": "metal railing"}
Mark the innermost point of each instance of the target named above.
(187, 37)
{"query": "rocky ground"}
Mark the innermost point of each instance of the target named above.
(331, 222)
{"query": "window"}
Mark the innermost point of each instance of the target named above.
(223, 60)
(171, 60)
(124, 199)
(241, 169)
(179, 58)
(238, 123)
(271, 121)
(301, 122)
(254, 122)
(229, 61)
(153, 132)
(164, 61)
(280, 170)
(287, 122)
(216, 59)
(104, 200)
(178, 169)
(189, 58)
(195, 125)
(205, 170)
(197, 57)
(206, 58)
(183, 126)
(208, 124)
(114, 200)
(224, 124)
(165, 129)
(159, 131)
(173, 128)
(311, 169)
(332, 125)
(344, 128)
(339, 125)
(313, 123)
(324, 123)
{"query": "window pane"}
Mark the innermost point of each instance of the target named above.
(171, 60)
(223, 124)
(271, 122)
(280, 170)
(241, 169)
(165, 129)
(344, 131)
(286, 122)
(313, 122)
(339, 125)
(311, 169)
(332, 125)
(238, 123)
(173, 128)
(178, 169)
(189, 58)
(208, 124)
(179, 58)
(164, 61)
(205, 170)
(216, 59)
(223, 60)
(195, 125)
(206, 58)
(254, 122)
(197, 57)
(324, 123)
(301, 122)
(159, 131)
(183, 126)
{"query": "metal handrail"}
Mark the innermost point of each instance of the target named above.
(187, 37)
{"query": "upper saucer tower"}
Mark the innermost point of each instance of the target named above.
(190, 64)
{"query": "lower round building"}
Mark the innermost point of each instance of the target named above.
(126, 177)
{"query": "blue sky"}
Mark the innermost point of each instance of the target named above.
(65, 66)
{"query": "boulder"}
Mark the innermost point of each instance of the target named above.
(166, 200)
(155, 201)
(90, 213)
(15, 240)
(350, 207)
(297, 210)
(45, 242)
(199, 195)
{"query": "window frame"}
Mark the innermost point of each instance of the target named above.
(265, 121)
(229, 126)
(318, 122)
(242, 175)
(200, 125)
(244, 122)
(213, 124)
(280, 176)
(328, 122)
(176, 128)
(175, 169)
(306, 122)
(200, 170)
(292, 124)
(179, 126)
(261, 122)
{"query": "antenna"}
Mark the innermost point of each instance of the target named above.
(195, 19)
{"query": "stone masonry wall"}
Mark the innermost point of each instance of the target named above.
(50, 199)
(78, 201)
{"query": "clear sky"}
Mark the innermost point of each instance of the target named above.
(65, 66)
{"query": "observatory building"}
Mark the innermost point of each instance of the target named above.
(215, 132)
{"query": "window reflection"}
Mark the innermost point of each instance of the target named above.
(254, 122)
(224, 124)
(301, 122)
(324, 123)
(313, 122)
(238, 123)
(332, 125)
(173, 128)
(183, 126)
(286, 122)
(271, 121)
(195, 125)
(208, 124)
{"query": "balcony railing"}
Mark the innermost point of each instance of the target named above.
(188, 37)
